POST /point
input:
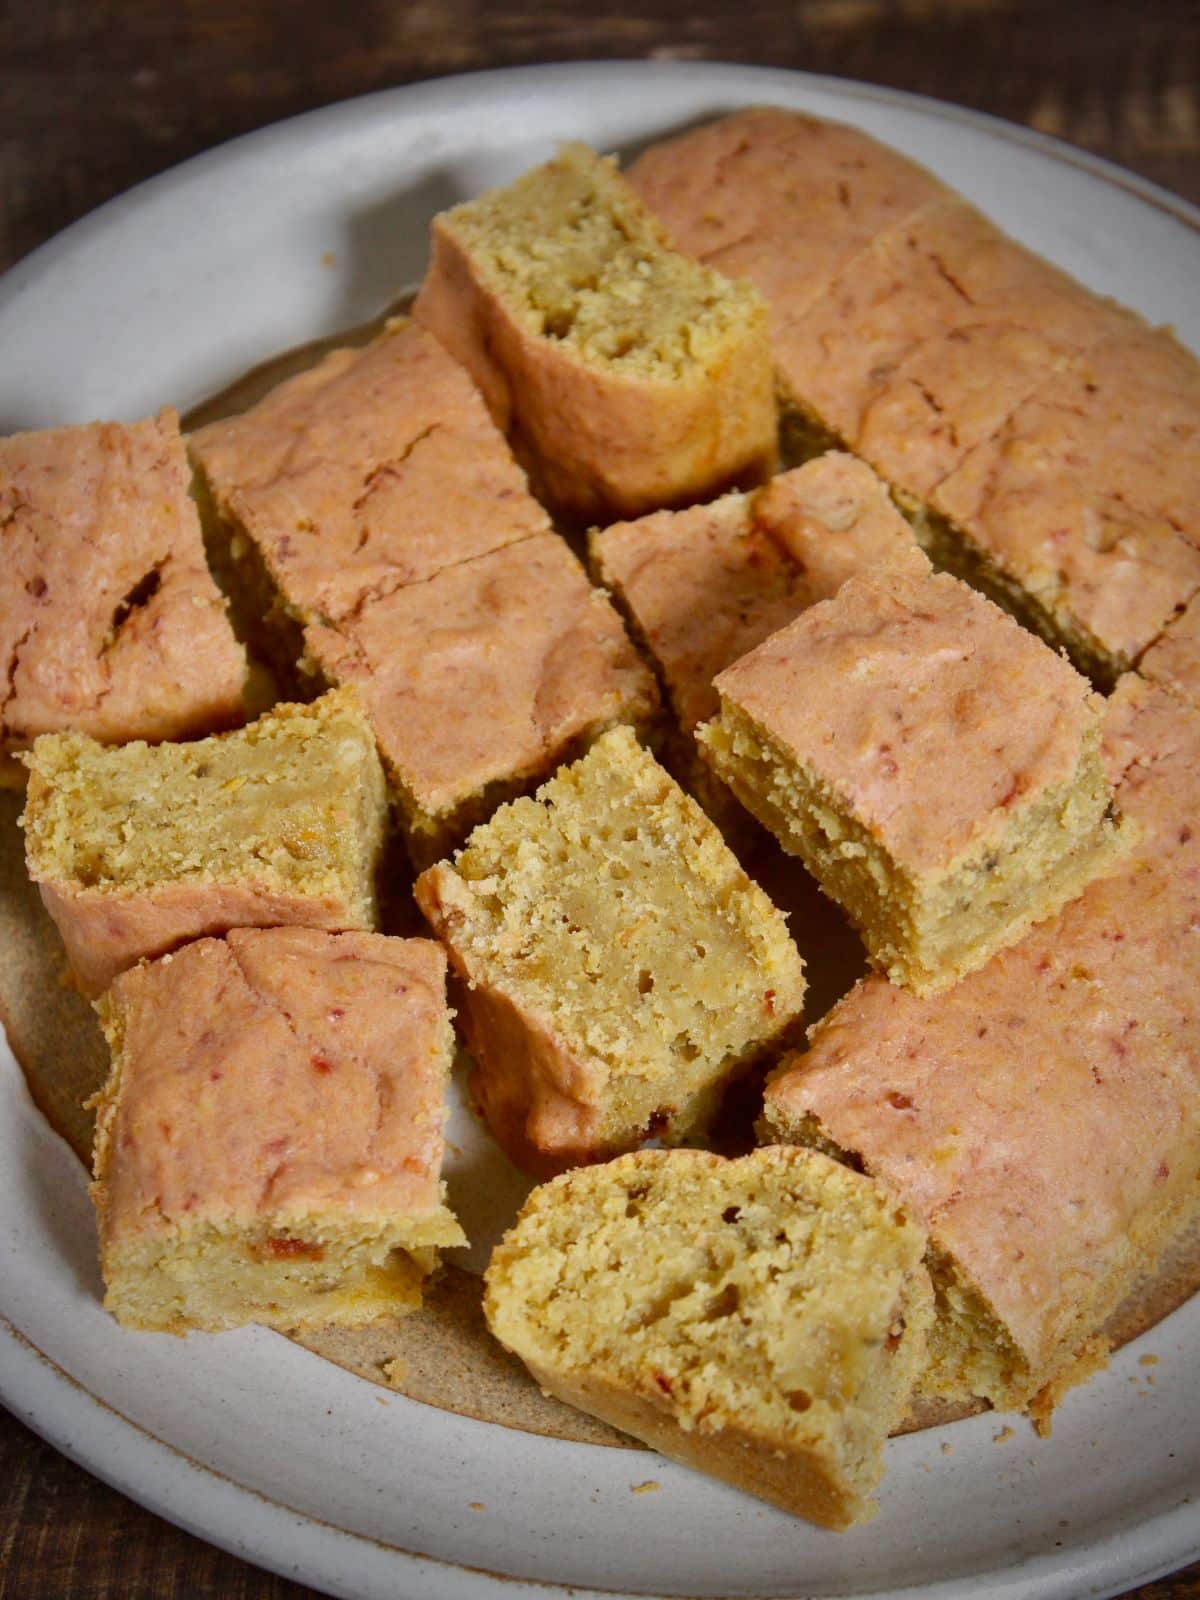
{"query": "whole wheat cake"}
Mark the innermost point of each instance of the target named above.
(760, 1319)
(936, 767)
(1044, 440)
(269, 1142)
(374, 469)
(616, 966)
(481, 680)
(138, 848)
(627, 376)
(1042, 1118)
(110, 622)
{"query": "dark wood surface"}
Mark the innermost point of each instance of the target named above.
(96, 95)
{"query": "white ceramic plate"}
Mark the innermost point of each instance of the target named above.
(167, 294)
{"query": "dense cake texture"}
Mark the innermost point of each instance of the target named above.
(1043, 439)
(618, 967)
(936, 767)
(481, 680)
(110, 622)
(707, 585)
(138, 848)
(761, 1319)
(627, 376)
(376, 468)
(1042, 1119)
(269, 1142)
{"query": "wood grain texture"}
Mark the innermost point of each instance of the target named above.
(100, 94)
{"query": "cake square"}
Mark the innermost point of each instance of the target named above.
(708, 584)
(617, 966)
(1081, 512)
(936, 768)
(110, 622)
(627, 376)
(374, 469)
(1042, 1119)
(481, 680)
(269, 1142)
(138, 848)
(760, 1319)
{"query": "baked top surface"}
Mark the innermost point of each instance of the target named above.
(109, 620)
(926, 711)
(1033, 1112)
(283, 1073)
(375, 468)
(708, 584)
(486, 671)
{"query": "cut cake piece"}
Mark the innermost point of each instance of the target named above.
(374, 469)
(481, 680)
(936, 768)
(627, 376)
(760, 1319)
(269, 1142)
(138, 848)
(707, 585)
(110, 622)
(618, 967)
(1042, 1119)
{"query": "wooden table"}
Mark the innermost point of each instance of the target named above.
(98, 95)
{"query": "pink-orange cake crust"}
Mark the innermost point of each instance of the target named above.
(374, 469)
(110, 622)
(275, 1073)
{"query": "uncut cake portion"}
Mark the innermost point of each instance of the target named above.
(479, 681)
(269, 1142)
(708, 584)
(110, 622)
(937, 768)
(376, 468)
(627, 376)
(1174, 658)
(617, 966)
(138, 848)
(761, 1319)
(1042, 1119)
(1044, 440)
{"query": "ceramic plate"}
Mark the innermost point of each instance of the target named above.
(260, 1446)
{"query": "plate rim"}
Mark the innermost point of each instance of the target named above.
(20, 1358)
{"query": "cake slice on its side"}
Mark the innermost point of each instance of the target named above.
(627, 376)
(936, 768)
(481, 680)
(762, 1319)
(110, 623)
(269, 1143)
(139, 848)
(1042, 1119)
(618, 967)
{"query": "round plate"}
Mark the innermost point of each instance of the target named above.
(260, 1446)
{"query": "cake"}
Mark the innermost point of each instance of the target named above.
(137, 848)
(481, 680)
(269, 1142)
(937, 768)
(374, 469)
(110, 622)
(708, 584)
(1174, 658)
(760, 1319)
(1044, 440)
(617, 967)
(1041, 1119)
(627, 376)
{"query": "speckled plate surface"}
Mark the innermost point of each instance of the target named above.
(264, 1447)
